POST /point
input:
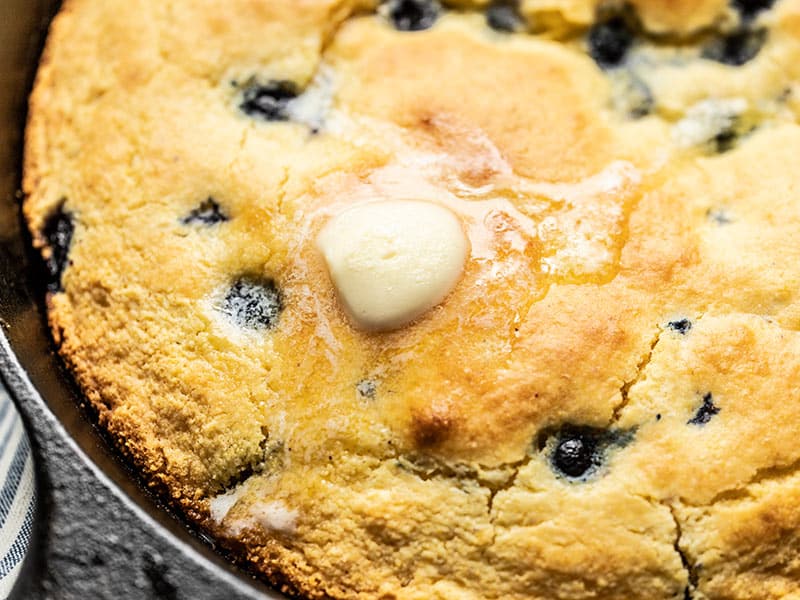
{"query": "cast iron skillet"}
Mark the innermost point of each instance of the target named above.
(57, 420)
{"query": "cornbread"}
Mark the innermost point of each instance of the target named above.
(602, 401)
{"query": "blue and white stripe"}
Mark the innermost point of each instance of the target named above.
(17, 494)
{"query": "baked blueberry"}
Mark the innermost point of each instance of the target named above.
(504, 16)
(413, 15)
(681, 326)
(578, 452)
(726, 139)
(736, 48)
(58, 231)
(749, 8)
(269, 102)
(714, 125)
(367, 389)
(253, 304)
(208, 213)
(575, 454)
(609, 41)
(707, 410)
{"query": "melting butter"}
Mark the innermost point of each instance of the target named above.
(392, 261)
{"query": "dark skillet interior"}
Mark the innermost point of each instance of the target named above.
(23, 25)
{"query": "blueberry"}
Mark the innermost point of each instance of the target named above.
(575, 454)
(609, 41)
(208, 213)
(707, 410)
(57, 232)
(715, 126)
(725, 139)
(413, 15)
(270, 101)
(749, 8)
(728, 136)
(578, 452)
(504, 16)
(681, 326)
(253, 304)
(736, 48)
(367, 389)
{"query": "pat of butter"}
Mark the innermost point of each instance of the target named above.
(391, 261)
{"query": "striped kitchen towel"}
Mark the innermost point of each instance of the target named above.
(17, 494)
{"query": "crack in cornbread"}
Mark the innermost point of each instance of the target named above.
(603, 406)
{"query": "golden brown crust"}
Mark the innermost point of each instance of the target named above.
(634, 276)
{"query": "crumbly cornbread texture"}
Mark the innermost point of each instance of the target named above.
(608, 404)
